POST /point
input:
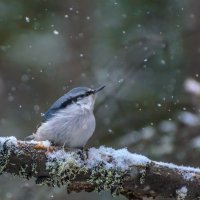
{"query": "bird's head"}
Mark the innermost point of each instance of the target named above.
(84, 96)
(80, 96)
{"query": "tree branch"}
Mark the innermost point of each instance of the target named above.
(119, 171)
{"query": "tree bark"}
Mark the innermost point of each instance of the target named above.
(119, 171)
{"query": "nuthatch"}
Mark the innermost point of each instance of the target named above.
(70, 121)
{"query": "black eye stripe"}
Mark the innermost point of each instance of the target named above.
(76, 98)
(84, 95)
(89, 92)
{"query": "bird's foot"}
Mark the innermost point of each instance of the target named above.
(83, 153)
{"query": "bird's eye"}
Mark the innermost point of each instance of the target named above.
(89, 92)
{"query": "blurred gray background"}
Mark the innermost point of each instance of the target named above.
(145, 52)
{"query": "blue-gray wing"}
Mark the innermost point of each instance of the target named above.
(56, 106)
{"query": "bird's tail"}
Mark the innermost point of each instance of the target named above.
(30, 137)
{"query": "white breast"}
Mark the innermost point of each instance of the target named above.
(71, 127)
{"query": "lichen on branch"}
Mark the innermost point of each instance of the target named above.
(119, 171)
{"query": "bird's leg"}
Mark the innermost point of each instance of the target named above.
(83, 153)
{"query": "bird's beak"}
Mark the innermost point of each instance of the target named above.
(99, 89)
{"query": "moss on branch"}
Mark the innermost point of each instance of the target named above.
(119, 171)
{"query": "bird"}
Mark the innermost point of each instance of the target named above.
(70, 121)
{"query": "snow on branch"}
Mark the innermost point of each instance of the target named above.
(119, 171)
